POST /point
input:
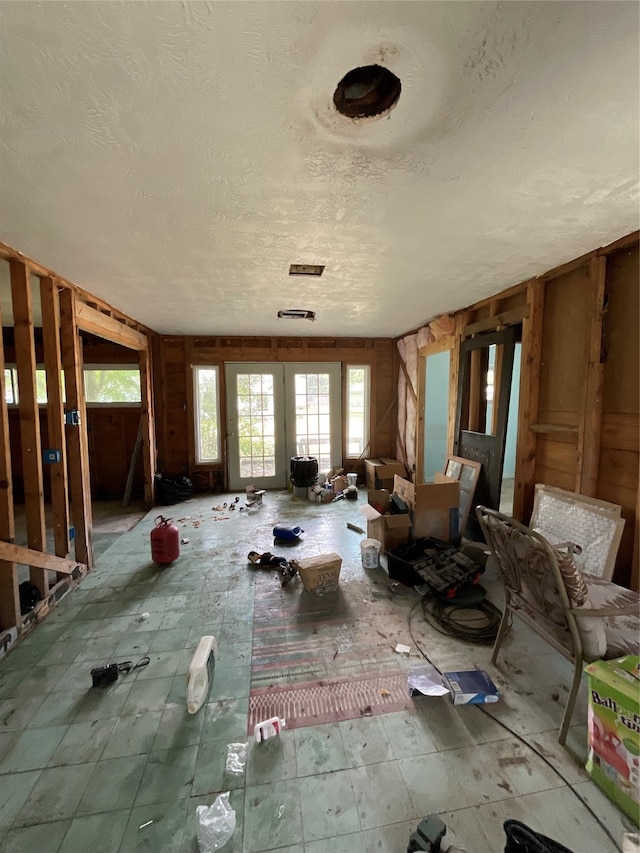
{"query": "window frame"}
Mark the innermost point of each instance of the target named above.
(366, 438)
(113, 404)
(197, 458)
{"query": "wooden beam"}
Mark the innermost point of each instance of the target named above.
(148, 427)
(29, 413)
(590, 436)
(9, 593)
(36, 559)
(529, 401)
(50, 302)
(454, 380)
(11, 254)
(420, 406)
(77, 443)
(627, 242)
(505, 318)
(549, 429)
(7, 524)
(410, 388)
(97, 323)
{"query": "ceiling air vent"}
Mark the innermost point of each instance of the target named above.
(306, 269)
(297, 314)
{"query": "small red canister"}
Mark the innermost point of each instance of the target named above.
(165, 542)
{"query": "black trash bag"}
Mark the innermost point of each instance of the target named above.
(522, 839)
(29, 596)
(169, 492)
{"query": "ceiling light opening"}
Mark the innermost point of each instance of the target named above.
(306, 269)
(297, 314)
(366, 92)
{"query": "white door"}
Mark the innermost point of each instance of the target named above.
(255, 418)
(276, 411)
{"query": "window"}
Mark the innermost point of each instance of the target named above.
(11, 385)
(112, 384)
(207, 414)
(358, 382)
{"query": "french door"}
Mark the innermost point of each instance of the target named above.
(276, 411)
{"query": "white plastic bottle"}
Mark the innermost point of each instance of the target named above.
(268, 728)
(200, 673)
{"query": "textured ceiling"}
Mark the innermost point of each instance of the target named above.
(174, 158)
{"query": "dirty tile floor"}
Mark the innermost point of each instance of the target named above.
(123, 768)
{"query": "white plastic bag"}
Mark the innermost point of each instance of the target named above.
(216, 824)
(236, 758)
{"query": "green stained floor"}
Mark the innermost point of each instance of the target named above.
(123, 769)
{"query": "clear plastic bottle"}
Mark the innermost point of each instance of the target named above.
(268, 728)
(200, 673)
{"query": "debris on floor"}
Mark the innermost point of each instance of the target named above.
(268, 729)
(236, 758)
(287, 570)
(215, 824)
(354, 527)
(402, 649)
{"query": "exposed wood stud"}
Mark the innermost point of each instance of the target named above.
(77, 443)
(29, 414)
(50, 303)
(9, 595)
(529, 400)
(148, 427)
(591, 433)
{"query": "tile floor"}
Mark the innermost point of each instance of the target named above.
(123, 769)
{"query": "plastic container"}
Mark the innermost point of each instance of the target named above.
(370, 553)
(268, 728)
(287, 532)
(353, 479)
(200, 674)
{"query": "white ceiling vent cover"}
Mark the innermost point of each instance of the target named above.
(297, 314)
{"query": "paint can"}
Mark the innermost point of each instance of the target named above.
(370, 553)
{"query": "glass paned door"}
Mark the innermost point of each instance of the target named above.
(255, 426)
(312, 401)
(276, 411)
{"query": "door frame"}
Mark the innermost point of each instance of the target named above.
(488, 489)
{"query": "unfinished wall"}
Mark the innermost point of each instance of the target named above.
(578, 422)
(173, 357)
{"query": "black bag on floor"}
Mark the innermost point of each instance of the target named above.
(522, 839)
(29, 596)
(170, 491)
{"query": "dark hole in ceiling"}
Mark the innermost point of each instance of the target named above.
(366, 91)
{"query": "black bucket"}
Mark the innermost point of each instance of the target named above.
(304, 470)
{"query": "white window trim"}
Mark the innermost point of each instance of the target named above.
(367, 408)
(196, 414)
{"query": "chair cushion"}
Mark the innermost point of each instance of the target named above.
(622, 633)
(574, 582)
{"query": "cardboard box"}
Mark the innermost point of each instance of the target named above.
(434, 507)
(614, 730)
(320, 574)
(470, 687)
(380, 472)
(389, 530)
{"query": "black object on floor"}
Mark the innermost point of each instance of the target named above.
(522, 839)
(434, 562)
(428, 835)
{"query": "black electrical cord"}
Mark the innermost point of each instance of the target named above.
(515, 734)
(472, 623)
